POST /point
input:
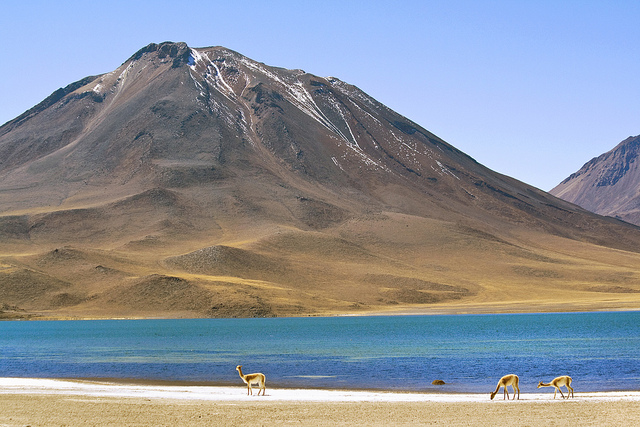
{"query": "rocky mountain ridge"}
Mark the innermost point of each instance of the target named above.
(608, 184)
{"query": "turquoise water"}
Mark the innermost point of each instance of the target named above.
(469, 352)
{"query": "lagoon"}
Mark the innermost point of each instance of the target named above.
(403, 353)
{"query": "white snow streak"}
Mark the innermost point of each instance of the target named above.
(298, 96)
(444, 170)
(212, 74)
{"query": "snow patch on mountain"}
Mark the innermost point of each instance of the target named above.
(445, 170)
(210, 72)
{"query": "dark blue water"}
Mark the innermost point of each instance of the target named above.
(601, 351)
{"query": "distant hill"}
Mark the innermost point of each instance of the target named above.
(608, 184)
(201, 183)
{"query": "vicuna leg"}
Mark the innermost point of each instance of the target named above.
(569, 391)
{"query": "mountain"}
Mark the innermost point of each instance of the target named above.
(198, 182)
(608, 184)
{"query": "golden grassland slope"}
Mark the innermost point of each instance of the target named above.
(389, 263)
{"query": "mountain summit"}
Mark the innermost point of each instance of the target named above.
(608, 184)
(199, 182)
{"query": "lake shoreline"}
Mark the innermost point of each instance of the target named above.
(200, 391)
(161, 383)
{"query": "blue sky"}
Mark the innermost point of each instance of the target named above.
(531, 89)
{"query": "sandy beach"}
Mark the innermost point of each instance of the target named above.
(45, 402)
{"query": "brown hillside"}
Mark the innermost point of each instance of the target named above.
(200, 183)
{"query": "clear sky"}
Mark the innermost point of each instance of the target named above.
(532, 89)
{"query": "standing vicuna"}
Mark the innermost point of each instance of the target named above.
(558, 382)
(249, 379)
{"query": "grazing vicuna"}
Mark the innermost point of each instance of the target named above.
(249, 379)
(508, 380)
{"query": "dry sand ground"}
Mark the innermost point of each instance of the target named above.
(101, 404)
